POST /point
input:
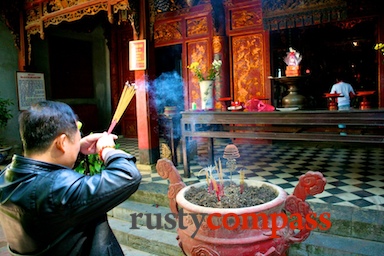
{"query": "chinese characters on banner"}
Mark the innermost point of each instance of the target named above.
(30, 88)
(137, 55)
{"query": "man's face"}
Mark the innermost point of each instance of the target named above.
(72, 149)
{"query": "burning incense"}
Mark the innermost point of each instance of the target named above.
(214, 183)
(220, 172)
(221, 177)
(129, 91)
(215, 187)
(208, 174)
(242, 176)
(208, 183)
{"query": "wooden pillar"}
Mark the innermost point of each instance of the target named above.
(22, 55)
(381, 64)
(220, 52)
(147, 123)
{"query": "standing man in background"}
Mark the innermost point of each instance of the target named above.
(347, 92)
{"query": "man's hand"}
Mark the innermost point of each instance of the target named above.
(88, 143)
(106, 141)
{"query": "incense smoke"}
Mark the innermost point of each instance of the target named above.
(168, 90)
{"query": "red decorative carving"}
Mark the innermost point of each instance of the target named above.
(201, 250)
(246, 18)
(167, 170)
(198, 26)
(52, 12)
(167, 32)
(311, 183)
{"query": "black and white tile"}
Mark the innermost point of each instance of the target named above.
(355, 175)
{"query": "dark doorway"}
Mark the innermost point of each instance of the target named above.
(169, 94)
(71, 68)
(168, 85)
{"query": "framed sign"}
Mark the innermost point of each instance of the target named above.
(30, 88)
(137, 55)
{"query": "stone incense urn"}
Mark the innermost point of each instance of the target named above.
(258, 230)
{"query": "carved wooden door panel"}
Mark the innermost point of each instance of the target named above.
(248, 66)
(249, 47)
(120, 74)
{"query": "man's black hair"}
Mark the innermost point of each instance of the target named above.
(43, 122)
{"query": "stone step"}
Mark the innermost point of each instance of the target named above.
(353, 222)
(154, 241)
(129, 251)
(141, 214)
(150, 193)
(320, 244)
(130, 221)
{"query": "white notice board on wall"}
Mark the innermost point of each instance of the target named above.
(137, 55)
(30, 88)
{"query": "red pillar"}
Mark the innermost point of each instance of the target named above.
(147, 122)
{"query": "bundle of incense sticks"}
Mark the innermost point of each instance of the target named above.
(129, 91)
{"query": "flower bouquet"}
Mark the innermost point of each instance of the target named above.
(213, 72)
(206, 82)
(379, 46)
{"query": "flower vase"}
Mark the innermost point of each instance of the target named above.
(206, 93)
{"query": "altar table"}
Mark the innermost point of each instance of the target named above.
(362, 126)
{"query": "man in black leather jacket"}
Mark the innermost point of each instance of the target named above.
(46, 208)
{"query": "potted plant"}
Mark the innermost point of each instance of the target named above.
(5, 115)
(90, 164)
(268, 228)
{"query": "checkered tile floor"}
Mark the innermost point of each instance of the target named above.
(355, 175)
